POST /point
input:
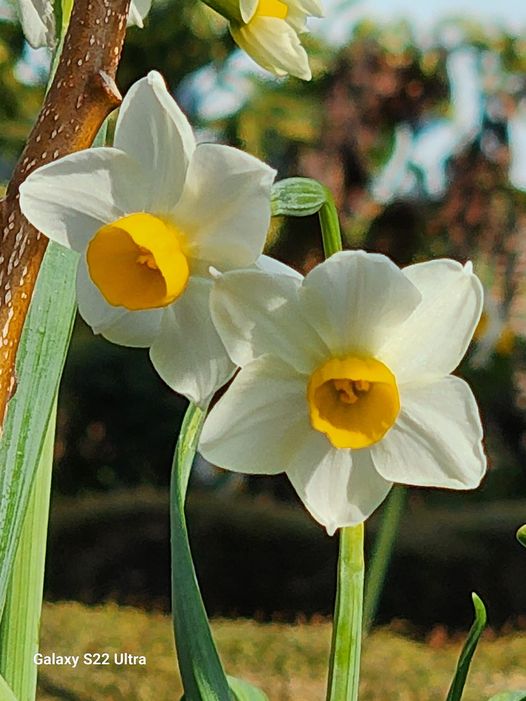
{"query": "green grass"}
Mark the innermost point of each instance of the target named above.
(286, 661)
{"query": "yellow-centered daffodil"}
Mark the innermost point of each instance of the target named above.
(268, 30)
(345, 380)
(149, 217)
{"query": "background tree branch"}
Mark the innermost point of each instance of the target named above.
(82, 95)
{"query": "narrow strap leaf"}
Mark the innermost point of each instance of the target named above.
(40, 360)
(19, 632)
(243, 691)
(464, 661)
(201, 670)
(509, 696)
(6, 693)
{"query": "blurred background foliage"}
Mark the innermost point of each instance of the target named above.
(424, 147)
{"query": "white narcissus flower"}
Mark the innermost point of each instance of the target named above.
(345, 381)
(149, 217)
(268, 31)
(269, 34)
(37, 18)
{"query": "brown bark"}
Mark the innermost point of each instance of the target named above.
(81, 96)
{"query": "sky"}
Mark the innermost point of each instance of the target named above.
(341, 15)
(511, 13)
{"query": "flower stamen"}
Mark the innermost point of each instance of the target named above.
(145, 257)
(353, 400)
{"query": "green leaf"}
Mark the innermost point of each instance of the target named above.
(19, 631)
(464, 661)
(39, 364)
(67, 6)
(243, 691)
(521, 535)
(40, 360)
(6, 693)
(297, 197)
(201, 670)
(509, 696)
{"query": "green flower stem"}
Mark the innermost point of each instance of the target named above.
(381, 555)
(344, 665)
(19, 632)
(330, 226)
(201, 670)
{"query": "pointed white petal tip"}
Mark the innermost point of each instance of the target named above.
(215, 273)
(468, 267)
(155, 79)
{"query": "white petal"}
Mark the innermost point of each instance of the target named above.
(248, 9)
(297, 20)
(260, 422)
(299, 11)
(138, 11)
(434, 338)
(308, 7)
(135, 329)
(155, 133)
(356, 299)
(71, 198)
(339, 487)
(276, 267)
(257, 313)
(225, 206)
(188, 353)
(116, 324)
(273, 44)
(38, 22)
(437, 439)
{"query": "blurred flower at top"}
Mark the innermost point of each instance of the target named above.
(149, 217)
(268, 31)
(38, 19)
(345, 381)
(493, 334)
